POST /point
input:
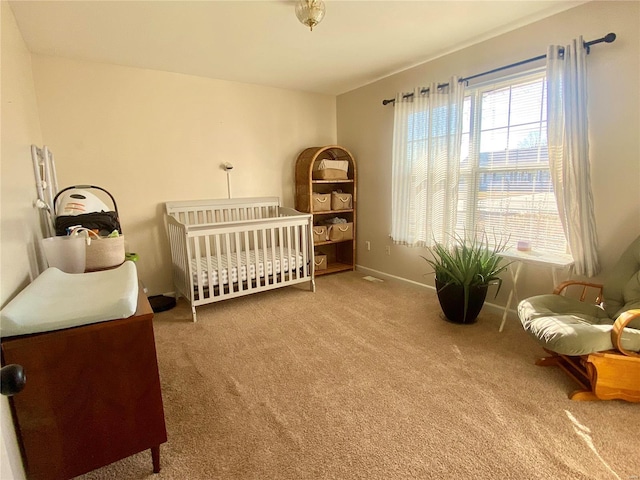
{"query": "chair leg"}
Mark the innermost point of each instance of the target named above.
(548, 361)
(574, 368)
(601, 376)
(583, 396)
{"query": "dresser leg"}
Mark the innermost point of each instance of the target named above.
(155, 458)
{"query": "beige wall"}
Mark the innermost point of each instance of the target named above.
(365, 127)
(19, 223)
(150, 136)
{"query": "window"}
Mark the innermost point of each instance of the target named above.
(505, 184)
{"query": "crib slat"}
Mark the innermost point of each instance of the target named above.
(293, 266)
(229, 265)
(305, 252)
(273, 256)
(239, 262)
(247, 250)
(219, 259)
(197, 256)
(296, 248)
(256, 244)
(293, 245)
(279, 251)
(300, 262)
(207, 244)
(264, 256)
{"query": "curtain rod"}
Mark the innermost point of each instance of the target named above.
(608, 38)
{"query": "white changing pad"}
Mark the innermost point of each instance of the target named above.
(57, 300)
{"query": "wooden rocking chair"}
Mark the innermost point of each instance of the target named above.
(597, 344)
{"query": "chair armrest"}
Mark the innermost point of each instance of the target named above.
(616, 333)
(598, 286)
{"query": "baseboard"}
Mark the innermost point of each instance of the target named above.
(492, 307)
(386, 276)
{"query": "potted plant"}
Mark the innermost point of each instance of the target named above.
(463, 274)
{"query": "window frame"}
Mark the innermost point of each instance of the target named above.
(473, 172)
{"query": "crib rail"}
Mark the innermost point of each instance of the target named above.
(197, 212)
(222, 259)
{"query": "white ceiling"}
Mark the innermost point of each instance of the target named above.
(262, 42)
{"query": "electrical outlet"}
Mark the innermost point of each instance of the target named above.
(368, 244)
(387, 250)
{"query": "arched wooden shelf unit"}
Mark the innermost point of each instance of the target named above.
(339, 255)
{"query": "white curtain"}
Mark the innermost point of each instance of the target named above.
(426, 158)
(569, 151)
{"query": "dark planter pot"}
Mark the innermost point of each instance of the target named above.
(452, 302)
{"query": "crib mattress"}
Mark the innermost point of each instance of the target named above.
(223, 272)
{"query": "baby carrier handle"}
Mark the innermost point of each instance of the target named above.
(55, 199)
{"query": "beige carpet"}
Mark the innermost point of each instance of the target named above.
(364, 380)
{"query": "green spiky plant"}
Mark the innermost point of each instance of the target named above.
(470, 262)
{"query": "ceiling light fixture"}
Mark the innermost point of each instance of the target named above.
(310, 12)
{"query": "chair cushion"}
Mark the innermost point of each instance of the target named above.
(622, 285)
(631, 298)
(571, 327)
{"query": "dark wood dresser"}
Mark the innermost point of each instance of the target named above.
(92, 396)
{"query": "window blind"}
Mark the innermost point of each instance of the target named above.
(505, 186)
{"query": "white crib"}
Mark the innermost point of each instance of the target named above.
(222, 249)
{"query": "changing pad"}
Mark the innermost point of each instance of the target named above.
(57, 300)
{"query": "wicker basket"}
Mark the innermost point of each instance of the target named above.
(321, 202)
(330, 170)
(341, 201)
(105, 252)
(320, 234)
(341, 231)
(320, 262)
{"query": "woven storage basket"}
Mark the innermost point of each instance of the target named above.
(320, 234)
(105, 252)
(320, 262)
(330, 170)
(341, 231)
(321, 202)
(341, 201)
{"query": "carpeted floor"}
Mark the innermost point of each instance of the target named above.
(364, 380)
